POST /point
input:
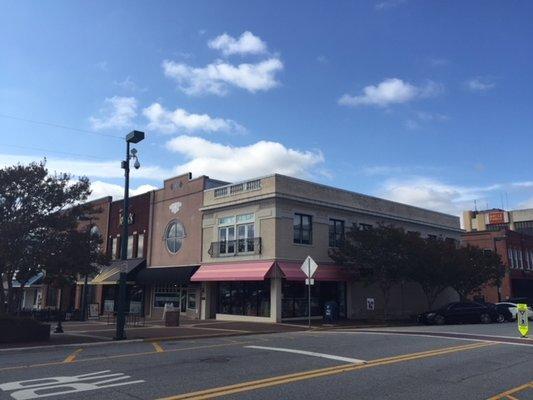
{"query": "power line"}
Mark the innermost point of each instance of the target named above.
(52, 124)
(52, 151)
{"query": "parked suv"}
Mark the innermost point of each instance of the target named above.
(462, 312)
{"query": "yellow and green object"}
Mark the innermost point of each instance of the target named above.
(522, 318)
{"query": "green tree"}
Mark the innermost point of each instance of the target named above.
(431, 265)
(376, 256)
(472, 268)
(34, 204)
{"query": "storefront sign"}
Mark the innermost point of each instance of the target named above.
(160, 299)
(94, 310)
(496, 217)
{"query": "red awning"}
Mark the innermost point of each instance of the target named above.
(250, 271)
(325, 272)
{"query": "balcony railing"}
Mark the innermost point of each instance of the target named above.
(239, 247)
(238, 188)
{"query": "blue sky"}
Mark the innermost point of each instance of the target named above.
(427, 103)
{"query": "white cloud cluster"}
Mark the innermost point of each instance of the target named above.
(480, 84)
(390, 91)
(432, 194)
(247, 43)
(101, 189)
(90, 168)
(172, 121)
(118, 112)
(235, 163)
(217, 77)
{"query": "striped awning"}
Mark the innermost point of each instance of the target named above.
(110, 274)
(246, 271)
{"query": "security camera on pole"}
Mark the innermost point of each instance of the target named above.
(309, 268)
(132, 137)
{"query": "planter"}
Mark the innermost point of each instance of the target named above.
(14, 330)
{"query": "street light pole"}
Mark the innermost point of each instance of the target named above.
(132, 137)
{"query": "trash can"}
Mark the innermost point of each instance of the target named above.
(331, 311)
(172, 318)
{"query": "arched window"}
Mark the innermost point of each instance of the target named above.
(174, 236)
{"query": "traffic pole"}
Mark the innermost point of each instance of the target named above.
(309, 293)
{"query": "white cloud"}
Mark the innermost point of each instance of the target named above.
(235, 163)
(432, 194)
(118, 112)
(90, 168)
(102, 65)
(129, 84)
(390, 91)
(422, 117)
(167, 121)
(525, 184)
(480, 84)
(101, 189)
(247, 43)
(217, 77)
(388, 4)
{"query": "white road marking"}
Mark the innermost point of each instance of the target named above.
(310, 353)
(59, 385)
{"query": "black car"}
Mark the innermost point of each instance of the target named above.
(462, 312)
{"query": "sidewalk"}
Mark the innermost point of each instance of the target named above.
(92, 332)
(97, 332)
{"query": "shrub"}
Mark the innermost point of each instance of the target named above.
(13, 329)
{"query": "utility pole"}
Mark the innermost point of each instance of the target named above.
(132, 137)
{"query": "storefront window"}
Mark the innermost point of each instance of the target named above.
(191, 299)
(244, 298)
(166, 294)
(294, 302)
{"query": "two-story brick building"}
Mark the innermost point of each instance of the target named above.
(516, 252)
(257, 233)
(106, 282)
(175, 245)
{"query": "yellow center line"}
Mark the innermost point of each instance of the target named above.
(299, 376)
(143, 353)
(507, 394)
(158, 347)
(72, 357)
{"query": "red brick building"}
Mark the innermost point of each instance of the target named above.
(516, 251)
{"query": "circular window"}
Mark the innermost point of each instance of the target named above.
(95, 231)
(174, 236)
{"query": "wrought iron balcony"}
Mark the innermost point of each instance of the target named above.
(239, 247)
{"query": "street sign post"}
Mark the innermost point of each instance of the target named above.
(522, 318)
(309, 268)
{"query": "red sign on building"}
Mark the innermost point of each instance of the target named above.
(496, 218)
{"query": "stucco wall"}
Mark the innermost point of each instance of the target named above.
(180, 199)
(265, 225)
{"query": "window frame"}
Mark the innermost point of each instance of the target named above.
(300, 240)
(332, 234)
(166, 237)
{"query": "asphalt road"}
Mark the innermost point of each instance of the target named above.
(399, 363)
